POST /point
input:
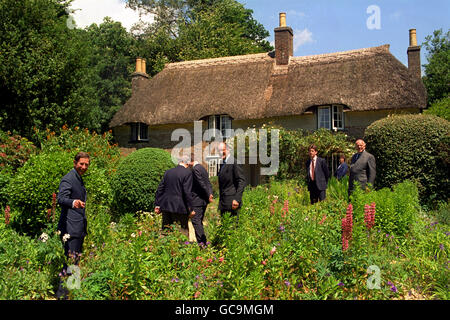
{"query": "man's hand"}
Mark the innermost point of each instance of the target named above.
(78, 204)
(211, 198)
(157, 210)
(191, 214)
(234, 205)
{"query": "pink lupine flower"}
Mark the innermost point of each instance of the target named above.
(7, 214)
(347, 227)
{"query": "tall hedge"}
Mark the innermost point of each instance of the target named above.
(412, 147)
(137, 177)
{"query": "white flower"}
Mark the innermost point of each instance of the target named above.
(112, 225)
(133, 235)
(58, 232)
(43, 237)
(66, 237)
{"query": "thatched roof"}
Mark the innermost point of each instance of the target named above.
(254, 87)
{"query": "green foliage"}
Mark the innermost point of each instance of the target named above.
(137, 178)
(42, 65)
(440, 108)
(103, 153)
(14, 151)
(30, 190)
(437, 76)
(411, 147)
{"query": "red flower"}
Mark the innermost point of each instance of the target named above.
(7, 214)
(285, 208)
(323, 220)
(347, 227)
(369, 215)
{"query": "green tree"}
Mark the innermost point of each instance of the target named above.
(111, 62)
(41, 67)
(437, 71)
(198, 29)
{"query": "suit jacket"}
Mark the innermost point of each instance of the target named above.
(231, 184)
(174, 193)
(321, 174)
(201, 186)
(72, 221)
(362, 170)
(341, 170)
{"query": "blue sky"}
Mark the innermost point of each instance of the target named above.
(340, 25)
(320, 26)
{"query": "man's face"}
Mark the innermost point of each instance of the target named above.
(312, 153)
(81, 166)
(223, 150)
(360, 145)
(341, 160)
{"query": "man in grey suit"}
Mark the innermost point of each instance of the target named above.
(362, 167)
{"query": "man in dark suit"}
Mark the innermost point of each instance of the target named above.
(342, 169)
(174, 197)
(362, 167)
(231, 183)
(317, 175)
(72, 199)
(202, 195)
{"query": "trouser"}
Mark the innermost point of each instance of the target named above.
(73, 248)
(316, 195)
(197, 223)
(169, 218)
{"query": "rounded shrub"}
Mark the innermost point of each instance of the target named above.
(137, 177)
(411, 147)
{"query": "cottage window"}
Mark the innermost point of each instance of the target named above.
(212, 167)
(139, 132)
(330, 117)
(222, 123)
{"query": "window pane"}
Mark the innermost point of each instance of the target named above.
(134, 132)
(143, 131)
(225, 126)
(324, 117)
(338, 117)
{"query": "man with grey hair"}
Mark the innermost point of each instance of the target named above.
(362, 167)
(174, 198)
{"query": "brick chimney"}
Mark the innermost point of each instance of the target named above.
(414, 55)
(284, 42)
(139, 74)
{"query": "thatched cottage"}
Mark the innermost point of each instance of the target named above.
(344, 91)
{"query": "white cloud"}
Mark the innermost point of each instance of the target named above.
(93, 11)
(302, 37)
(295, 14)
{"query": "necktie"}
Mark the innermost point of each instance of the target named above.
(312, 170)
(222, 164)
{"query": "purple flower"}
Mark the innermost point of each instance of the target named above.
(287, 283)
(196, 285)
(187, 242)
(299, 285)
(441, 246)
(281, 228)
(340, 284)
(447, 233)
(394, 289)
(175, 280)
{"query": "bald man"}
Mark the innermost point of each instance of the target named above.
(362, 167)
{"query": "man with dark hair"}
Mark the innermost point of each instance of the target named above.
(231, 183)
(72, 199)
(202, 195)
(72, 225)
(174, 196)
(342, 169)
(317, 175)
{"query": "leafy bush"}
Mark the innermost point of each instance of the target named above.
(440, 108)
(14, 151)
(73, 140)
(410, 147)
(137, 177)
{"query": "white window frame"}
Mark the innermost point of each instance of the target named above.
(139, 132)
(213, 165)
(335, 117)
(222, 123)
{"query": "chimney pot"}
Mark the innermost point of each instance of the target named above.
(282, 19)
(143, 66)
(139, 65)
(412, 38)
